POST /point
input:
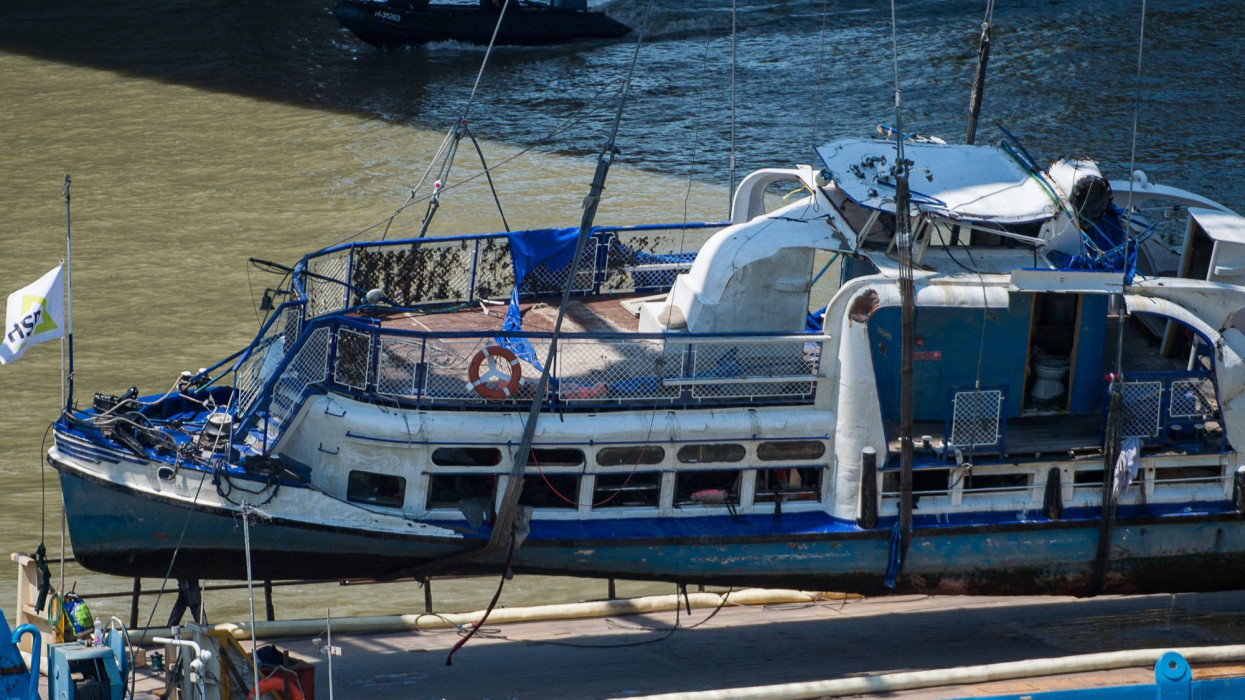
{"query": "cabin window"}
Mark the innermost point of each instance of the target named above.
(791, 484)
(997, 482)
(1088, 477)
(923, 481)
(634, 490)
(630, 456)
(699, 454)
(717, 487)
(556, 457)
(550, 491)
(376, 489)
(1187, 475)
(450, 490)
(466, 456)
(791, 449)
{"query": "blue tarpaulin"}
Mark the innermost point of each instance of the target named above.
(552, 247)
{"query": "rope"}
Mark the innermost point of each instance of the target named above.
(700, 104)
(508, 508)
(489, 177)
(173, 560)
(1132, 158)
(449, 659)
(250, 588)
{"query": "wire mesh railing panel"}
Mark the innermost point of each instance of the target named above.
(326, 281)
(649, 259)
(542, 280)
(976, 418)
(266, 355)
(445, 371)
(397, 367)
(353, 359)
(1142, 404)
(1192, 398)
(423, 271)
(622, 371)
(309, 367)
(776, 369)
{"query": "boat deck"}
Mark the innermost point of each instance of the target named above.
(1051, 432)
(601, 314)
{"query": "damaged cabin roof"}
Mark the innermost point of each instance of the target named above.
(981, 183)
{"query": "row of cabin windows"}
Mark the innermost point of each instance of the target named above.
(633, 490)
(936, 481)
(634, 456)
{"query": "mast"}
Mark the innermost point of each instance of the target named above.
(903, 233)
(67, 383)
(503, 522)
(907, 297)
(979, 80)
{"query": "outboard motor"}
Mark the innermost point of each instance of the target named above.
(214, 438)
(1091, 197)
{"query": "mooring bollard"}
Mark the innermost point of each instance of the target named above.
(868, 488)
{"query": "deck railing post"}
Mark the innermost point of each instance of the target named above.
(428, 594)
(269, 611)
(138, 591)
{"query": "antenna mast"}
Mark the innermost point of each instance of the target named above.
(903, 232)
(979, 80)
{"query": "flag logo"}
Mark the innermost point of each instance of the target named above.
(31, 315)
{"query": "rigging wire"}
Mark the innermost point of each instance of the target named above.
(414, 198)
(734, 44)
(821, 61)
(1115, 418)
(700, 110)
(176, 549)
(449, 146)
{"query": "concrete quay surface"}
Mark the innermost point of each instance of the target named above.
(739, 646)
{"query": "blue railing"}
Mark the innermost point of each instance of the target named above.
(1163, 406)
(355, 356)
(470, 268)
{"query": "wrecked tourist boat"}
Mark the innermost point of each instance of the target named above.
(721, 403)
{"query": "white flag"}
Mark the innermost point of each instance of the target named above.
(35, 313)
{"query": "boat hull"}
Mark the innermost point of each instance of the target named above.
(121, 531)
(383, 25)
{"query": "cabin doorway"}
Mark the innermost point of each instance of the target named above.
(1052, 352)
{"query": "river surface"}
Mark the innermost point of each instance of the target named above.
(202, 132)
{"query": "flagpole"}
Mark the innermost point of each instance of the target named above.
(68, 381)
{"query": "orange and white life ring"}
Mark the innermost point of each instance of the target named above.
(501, 379)
(275, 684)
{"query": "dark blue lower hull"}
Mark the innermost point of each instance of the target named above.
(118, 531)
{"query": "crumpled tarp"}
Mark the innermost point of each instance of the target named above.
(552, 247)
